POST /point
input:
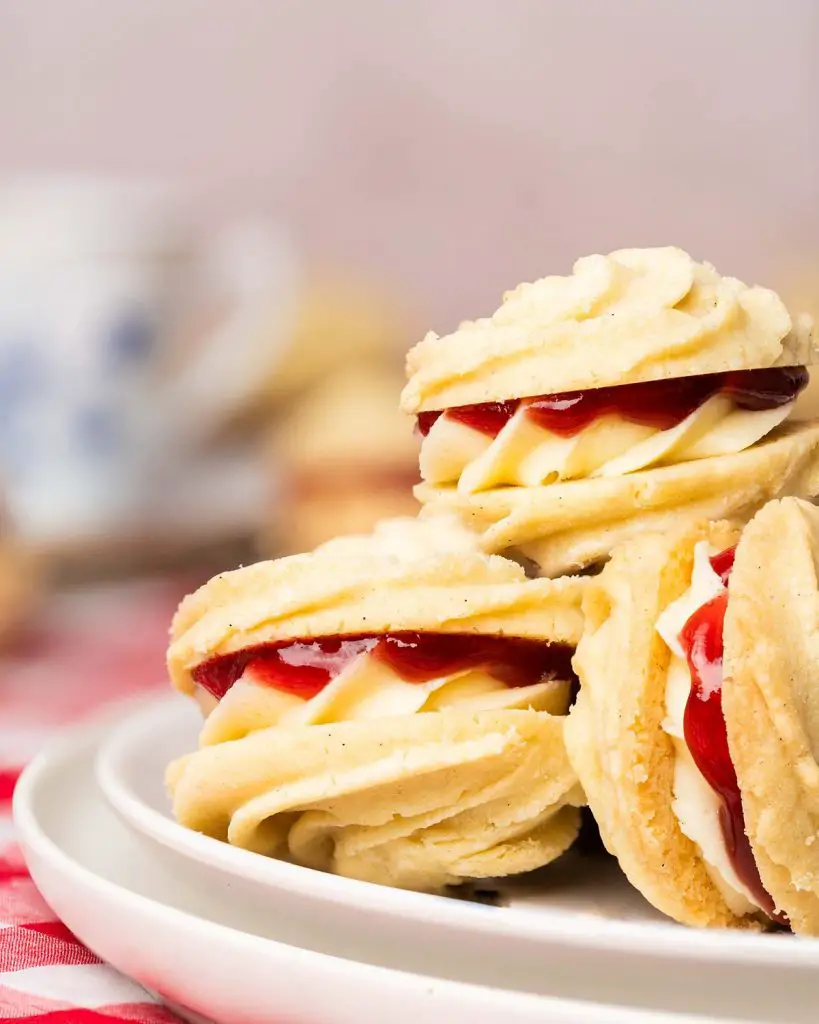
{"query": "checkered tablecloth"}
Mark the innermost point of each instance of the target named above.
(91, 648)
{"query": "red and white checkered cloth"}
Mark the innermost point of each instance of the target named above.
(95, 647)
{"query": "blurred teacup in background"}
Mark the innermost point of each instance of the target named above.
(88, 282)
(141, 366)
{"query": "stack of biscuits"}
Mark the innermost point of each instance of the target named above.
(610, 598)
(345, 457)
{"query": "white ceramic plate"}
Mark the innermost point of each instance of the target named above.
(203, 949)
(576, 929)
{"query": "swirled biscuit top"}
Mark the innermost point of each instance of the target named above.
(425, 575)
(634, 315)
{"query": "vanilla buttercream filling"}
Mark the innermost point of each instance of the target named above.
(696, 805)
(367, 688)
(526, 454)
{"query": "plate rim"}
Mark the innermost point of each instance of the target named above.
(651, 938)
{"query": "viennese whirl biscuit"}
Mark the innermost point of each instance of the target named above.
(695, 731)
(591, 407)
(388, 707)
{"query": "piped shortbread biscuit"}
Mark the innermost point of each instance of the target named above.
(641, 362)
(694, 734)
(635, 315)
(388, 707)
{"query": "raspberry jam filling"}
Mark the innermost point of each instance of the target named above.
(706, 736)
(661, 404)
(305, 667)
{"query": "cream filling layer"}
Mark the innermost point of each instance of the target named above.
(367, 689)
(525, 454)
(696, 805)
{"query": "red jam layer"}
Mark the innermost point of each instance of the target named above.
(305, 667)
(705, 733)
(723, 563)
(661, 404)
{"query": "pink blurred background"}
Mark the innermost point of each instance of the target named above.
(450, 147)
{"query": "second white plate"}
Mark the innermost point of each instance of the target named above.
(575, 929)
